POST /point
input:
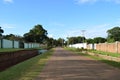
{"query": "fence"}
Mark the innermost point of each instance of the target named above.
(8, 59)
(79, 45)
(31, 45)
(0, 43)
(4, 43)
(107, 47)
(91, 46)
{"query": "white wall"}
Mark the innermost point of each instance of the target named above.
(95, 46)
(7, 43)
(26, 45)
(16, 44)
(79, 45)
(31, 45)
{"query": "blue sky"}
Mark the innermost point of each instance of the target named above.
(61, 18)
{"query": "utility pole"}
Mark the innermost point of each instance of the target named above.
(62, 42)
(68, 41)
(83, 31)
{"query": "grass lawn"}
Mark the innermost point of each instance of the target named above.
(72, 49)
(112, 63)
(16, 49)
(106, 53)
(10, 49)
(28, 69)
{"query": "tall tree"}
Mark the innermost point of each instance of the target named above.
(74, 40)
(99, 40)
(1, 31)
(60, 42)
(37, 34)
(13, 37)
(113, 34)
(90, 41)
(50, 42)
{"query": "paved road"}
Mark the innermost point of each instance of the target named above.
(64, 65)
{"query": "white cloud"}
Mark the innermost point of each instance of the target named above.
(91, 32)
(8, 26)
(97, 31)
(8, 1)
(72, 33)
(118, 21)
(85, 1)
(94, 1)
(117, 1)
(50, 36)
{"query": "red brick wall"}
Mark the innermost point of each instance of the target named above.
(109, 47)
(118, 47)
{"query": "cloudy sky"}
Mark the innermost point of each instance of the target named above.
(61, 18)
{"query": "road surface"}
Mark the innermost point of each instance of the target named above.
(65, 65)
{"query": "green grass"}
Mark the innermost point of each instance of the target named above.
(106, 53)
(112, 63)
(10, 49)
(16, 49)
(28, 69)
(71, 49)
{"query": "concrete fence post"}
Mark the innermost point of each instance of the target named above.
(1, 43)
(106, 46)
(13, 44)
(116, 45)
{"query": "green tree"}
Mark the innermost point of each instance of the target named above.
(99, 40)
(90, 41)
(37, 34)
(1, 31)
(113, 34)
(60, 42)
(13, 37)
(50, 42)
(74, 40)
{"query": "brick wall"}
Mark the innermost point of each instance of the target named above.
(108, 47)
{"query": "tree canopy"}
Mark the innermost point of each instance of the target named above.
(113, 34)
(37, 34)
(90, 41)
(99, 40)
(1, 31)
(74, 40)
(13, 37)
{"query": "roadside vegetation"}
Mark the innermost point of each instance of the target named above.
(16, 49)
(105, 53)
(10, 49)
(112, 63)
(28, 69)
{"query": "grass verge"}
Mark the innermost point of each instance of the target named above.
(10, 49)
(16, 49)
(105, 53)
(28, 69)
(112, 63)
